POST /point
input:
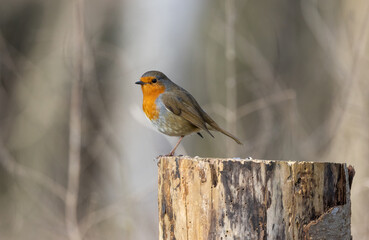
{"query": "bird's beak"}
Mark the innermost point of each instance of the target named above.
(140, 82)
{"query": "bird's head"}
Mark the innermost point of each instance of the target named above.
(153, 83)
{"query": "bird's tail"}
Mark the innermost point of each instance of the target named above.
(214, 126)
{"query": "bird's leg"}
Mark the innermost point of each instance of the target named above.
(175, 147)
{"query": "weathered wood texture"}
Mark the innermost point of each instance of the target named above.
(253, 199)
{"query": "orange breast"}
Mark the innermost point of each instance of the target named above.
(150, 93)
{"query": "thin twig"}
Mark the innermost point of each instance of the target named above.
(343, 71)
(114, 209)
(256, 105)
(230, 54)
(100, 215)
(261, 67)
(13, 167)
(266, 102)
(74, 166)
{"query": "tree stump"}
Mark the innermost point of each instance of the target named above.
(210, 198)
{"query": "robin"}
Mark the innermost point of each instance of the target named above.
(173, 110)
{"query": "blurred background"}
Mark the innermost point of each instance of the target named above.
(77, 154)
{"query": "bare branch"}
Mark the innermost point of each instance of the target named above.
(9, 163)
(231, 84)
(74, 166)
(265, 102)
(98, 216)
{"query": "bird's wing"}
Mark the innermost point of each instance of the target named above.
(185, 106)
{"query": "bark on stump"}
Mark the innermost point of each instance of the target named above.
(206, 198)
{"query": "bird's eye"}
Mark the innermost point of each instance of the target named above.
(154, 80)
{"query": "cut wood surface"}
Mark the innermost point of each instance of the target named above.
(206, 198)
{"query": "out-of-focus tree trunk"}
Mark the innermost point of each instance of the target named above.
(37, 66)
(351, 139)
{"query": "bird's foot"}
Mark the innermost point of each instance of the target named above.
(171, 154)
(166, 155)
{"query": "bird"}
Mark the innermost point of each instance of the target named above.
(173, 110)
